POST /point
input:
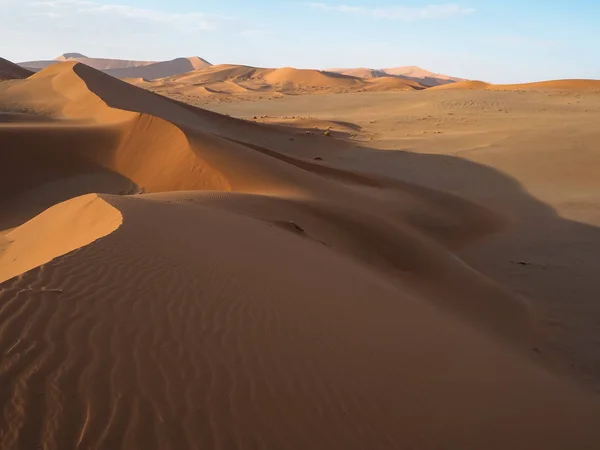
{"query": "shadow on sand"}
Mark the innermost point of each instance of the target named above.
(551, 260)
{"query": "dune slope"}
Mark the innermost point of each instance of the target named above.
(58, 230)
(541, 85)
(11, 71)
(254, 299)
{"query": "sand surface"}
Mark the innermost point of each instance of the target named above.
(531, 155)
(322, 277)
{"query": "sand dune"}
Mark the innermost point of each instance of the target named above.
(360, 72)
(290, 304)
(221, 72)
(57, 231)
(127, 68)
(229, 82)
(310, 78)
(194, 78)
(418, 73)
(160, 69)
(411, 73)
(11, 71)
(541, 85)
(96, 63)
(383, 84)
(69, 56)
(102, 63)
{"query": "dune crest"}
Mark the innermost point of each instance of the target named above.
(60, 229)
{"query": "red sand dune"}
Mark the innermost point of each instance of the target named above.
(246, 80)
(254, 299)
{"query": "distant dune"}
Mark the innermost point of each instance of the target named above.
(392, 84)
(228, 81)
(419, 73)
(154, 70)
(361, 72)
(11, 71)
(160, 69)
(70, 56)
(413, 73)
(126, 68)
(196, 77)
(100, 63)
(464, 85)
(541, 85)
(97, 63)
(221, 72)
(305, 77)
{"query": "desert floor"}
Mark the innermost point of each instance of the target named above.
(532, 156)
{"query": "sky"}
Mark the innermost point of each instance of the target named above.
(500, 41)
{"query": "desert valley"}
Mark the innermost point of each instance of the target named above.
(198, 256)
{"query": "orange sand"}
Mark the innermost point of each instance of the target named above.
(256, 298)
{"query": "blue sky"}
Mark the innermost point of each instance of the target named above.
(492, 40)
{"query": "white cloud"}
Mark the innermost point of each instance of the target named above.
(81, 8)
(339, 8)
(98, 27)
(405, 13)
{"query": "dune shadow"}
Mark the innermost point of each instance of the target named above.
(49, 164)
(551, 260)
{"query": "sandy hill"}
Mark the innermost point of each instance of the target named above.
(464, 85)
(360, 72)
(10, 71)
(282, 76)
(97, 63)
(419, 73)
(541, 85)
(286, 75)
(307, 77)
(214, 81)
(392, 84)
(127, 68)
(412, 73)
(255, 298)
(221, 72)
(160, 69)
(107, 65)
(68, 56)
(226, 81)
